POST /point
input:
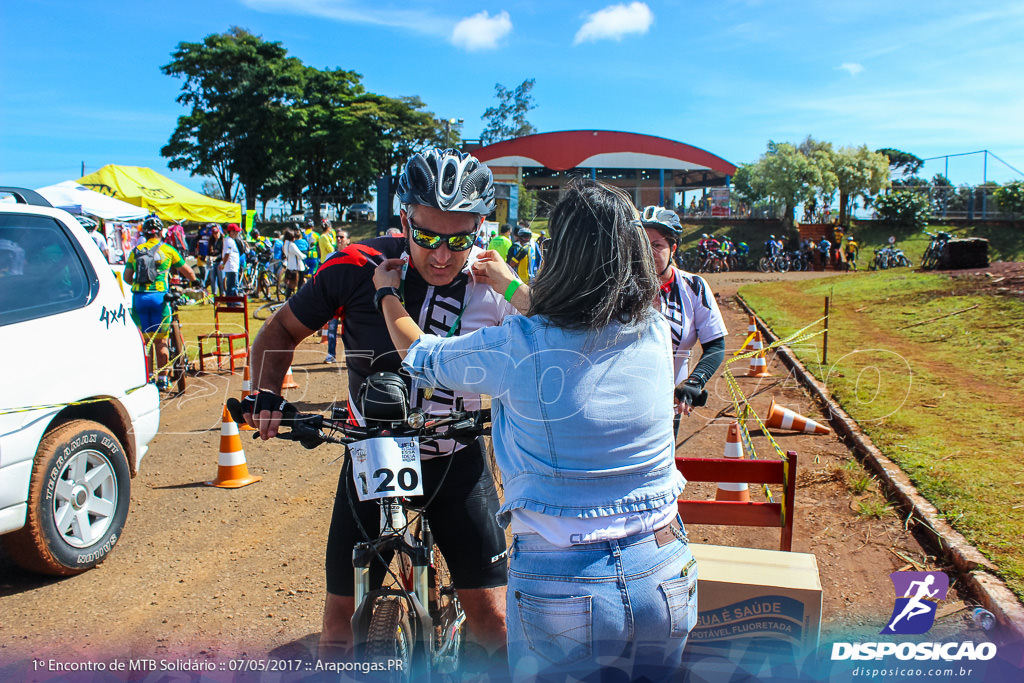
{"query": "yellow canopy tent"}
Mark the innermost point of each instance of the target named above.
(148, 189)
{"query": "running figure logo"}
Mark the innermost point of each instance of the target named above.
(916, 595)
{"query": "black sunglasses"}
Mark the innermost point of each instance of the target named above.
(431, 240)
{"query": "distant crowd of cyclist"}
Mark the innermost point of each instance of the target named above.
(715, 254)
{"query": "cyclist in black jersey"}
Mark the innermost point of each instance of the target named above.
(445, 196)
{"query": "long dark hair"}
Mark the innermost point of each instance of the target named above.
(598, 266)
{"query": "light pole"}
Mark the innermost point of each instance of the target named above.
(448, 123)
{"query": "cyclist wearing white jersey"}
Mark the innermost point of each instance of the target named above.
(688, 303)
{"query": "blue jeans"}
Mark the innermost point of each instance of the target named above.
(332, 337)
(627, 604)
(230, 283)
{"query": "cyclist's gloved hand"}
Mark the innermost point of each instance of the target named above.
(692, 393)
(195, 283)
(263, 400)
(254, 405)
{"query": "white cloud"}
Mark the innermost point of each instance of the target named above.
(481, 31)
(853, 68)
(615, 21)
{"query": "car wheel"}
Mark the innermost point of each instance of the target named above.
(77, 503)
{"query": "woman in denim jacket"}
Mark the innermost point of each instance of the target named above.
(601, 574)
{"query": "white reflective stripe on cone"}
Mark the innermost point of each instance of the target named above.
(231, 459)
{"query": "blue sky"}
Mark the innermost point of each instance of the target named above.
(81, 81)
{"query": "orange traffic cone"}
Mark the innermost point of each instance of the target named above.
(748, 345)
(323, 334)
(784, 418)
(289, 381)
(246, 390)
(737, 491)
(758, 363)
(232, 472)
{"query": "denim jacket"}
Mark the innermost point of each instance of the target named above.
(581, 421)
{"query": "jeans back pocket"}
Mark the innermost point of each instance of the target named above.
(557, 629)
(681, 596)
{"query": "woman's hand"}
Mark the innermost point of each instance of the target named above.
(388, 273)
(490, 269)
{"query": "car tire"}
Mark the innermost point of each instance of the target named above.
(91, 509)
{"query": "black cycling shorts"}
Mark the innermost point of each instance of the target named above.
(461, 516)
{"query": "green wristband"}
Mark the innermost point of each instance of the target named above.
(511, 291)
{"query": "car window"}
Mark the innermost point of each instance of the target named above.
(41, 270)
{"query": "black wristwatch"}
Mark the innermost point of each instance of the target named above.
(379, 295)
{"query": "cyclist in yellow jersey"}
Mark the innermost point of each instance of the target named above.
(147, 270)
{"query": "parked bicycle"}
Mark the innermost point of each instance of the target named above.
(778, 263)
(936, 249)
(417, 620)
(890, 257)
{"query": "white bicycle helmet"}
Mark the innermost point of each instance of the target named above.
(663, 220)
(448, 180)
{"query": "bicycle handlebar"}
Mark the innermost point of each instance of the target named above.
(308, 428)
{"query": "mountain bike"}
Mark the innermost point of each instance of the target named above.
(417, 620)
(936, 249)
(178, 354)
(778, 263)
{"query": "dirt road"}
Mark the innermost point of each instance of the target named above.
(204, 573)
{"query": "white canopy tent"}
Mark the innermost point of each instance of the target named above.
(75, 198)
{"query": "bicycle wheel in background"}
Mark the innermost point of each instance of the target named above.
(764, 264)
(266, 310)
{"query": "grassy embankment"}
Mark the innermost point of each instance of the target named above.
(1005, 244)
(941, 398)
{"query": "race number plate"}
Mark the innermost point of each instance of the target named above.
(386, 467)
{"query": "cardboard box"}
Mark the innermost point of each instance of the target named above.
(768, 599)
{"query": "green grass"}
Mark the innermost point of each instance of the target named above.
(942, 399)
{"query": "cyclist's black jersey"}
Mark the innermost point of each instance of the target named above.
(343, 286)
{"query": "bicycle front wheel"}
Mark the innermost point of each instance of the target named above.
(389, 639)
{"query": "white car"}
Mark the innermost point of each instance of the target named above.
(76, 411)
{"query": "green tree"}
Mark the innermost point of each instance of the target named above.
(784, 176)
(902, 164)
(400, 127)
(508, 119)
(330, 145)
(858, 172)
(1011, 198)
(238, 88)
(527, 203)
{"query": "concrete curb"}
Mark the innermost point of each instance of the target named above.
(972, 565)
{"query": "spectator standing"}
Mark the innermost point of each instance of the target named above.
(601, 575)
(524, 255)
(294, 261)
(327, 241)
(92, 227)
(502, 243)
(230, 259)
(332, 327)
